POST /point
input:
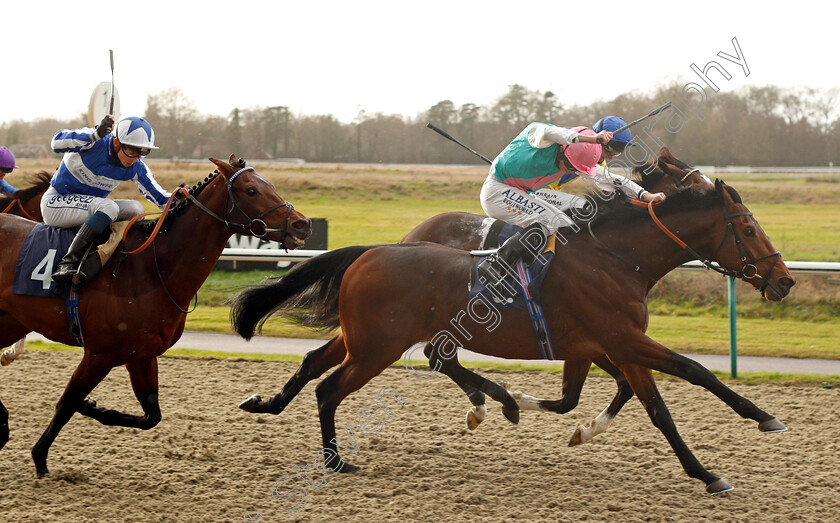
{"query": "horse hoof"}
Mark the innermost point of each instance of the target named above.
(719, 487)
(577, 438)
(347, 468)
(772, 425)
(512, 415)
(249, 404)
(475, 416)
(505, 384)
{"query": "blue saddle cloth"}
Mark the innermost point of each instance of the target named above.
(42, 249)
(519, 289)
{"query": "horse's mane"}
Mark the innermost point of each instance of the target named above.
(177, 210)
(618, 210)
(40, 185)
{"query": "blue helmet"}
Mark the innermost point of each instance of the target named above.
(136, 132)
(611, 123)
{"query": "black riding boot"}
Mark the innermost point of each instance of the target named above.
(70, 263)
(496, 267)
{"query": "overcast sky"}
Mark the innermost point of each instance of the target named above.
(395, 57)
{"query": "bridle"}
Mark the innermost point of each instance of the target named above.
(749, 270)
(261, 228)
(230, 197)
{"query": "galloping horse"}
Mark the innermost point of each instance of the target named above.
(136, 308)
(465, 231)
(26, 202)
(394, 296)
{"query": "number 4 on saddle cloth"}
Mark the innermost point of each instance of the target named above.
(43, 248)
(520, 289)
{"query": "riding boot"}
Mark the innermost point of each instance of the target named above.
(526, 244)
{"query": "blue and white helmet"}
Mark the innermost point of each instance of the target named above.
(136, 132)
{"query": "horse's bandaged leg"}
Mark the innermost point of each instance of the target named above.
(12, 353)
(525, 401)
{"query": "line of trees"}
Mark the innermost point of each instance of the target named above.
(758, 126)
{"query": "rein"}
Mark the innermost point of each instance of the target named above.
(22, 210)
(259, 232)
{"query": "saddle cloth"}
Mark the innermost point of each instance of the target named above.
(44, 247)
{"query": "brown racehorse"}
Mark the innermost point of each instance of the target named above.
(133, 311)
(26, 202)
(464, 231)
(389, 298)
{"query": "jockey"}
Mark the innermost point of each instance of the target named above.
(7, 164)
(553, 193)
(540, 155)
(95, 162)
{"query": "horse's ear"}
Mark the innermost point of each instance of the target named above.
(664, 152)
(236, 162)
(223, 166)
(719, 185)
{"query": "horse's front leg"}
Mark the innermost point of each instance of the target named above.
(313, 366)
(91, 370)
(144, 382)
(658, 357)
(641, 380)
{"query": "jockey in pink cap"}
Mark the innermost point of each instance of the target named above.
(540, 155)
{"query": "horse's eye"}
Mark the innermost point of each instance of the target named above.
(749, 231)
(251, 191)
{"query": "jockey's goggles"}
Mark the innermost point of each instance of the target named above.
(614, 147)
(134, 152)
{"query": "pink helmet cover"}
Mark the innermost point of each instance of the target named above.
(584, 156)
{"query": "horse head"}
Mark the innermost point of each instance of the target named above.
(746, 251)
(667, 174)
(254, 207)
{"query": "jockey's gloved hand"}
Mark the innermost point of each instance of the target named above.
(180, 195)
(105, 126)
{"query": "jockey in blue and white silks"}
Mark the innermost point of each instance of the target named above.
(95, 162)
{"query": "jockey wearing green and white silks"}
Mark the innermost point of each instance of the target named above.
(540, 155)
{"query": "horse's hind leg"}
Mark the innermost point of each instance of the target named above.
(4, 425)
(478, 411)
(470, 381)
(144, 381)
(85, 378)
(315, 364)
(641, 380)
(349, 377)
(603, 421)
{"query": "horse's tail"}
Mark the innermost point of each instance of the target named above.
(307, 294)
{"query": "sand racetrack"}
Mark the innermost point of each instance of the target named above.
(209, 461)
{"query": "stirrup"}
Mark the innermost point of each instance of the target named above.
(489, 269)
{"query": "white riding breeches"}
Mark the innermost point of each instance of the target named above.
(519, 207)
(71, 210)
